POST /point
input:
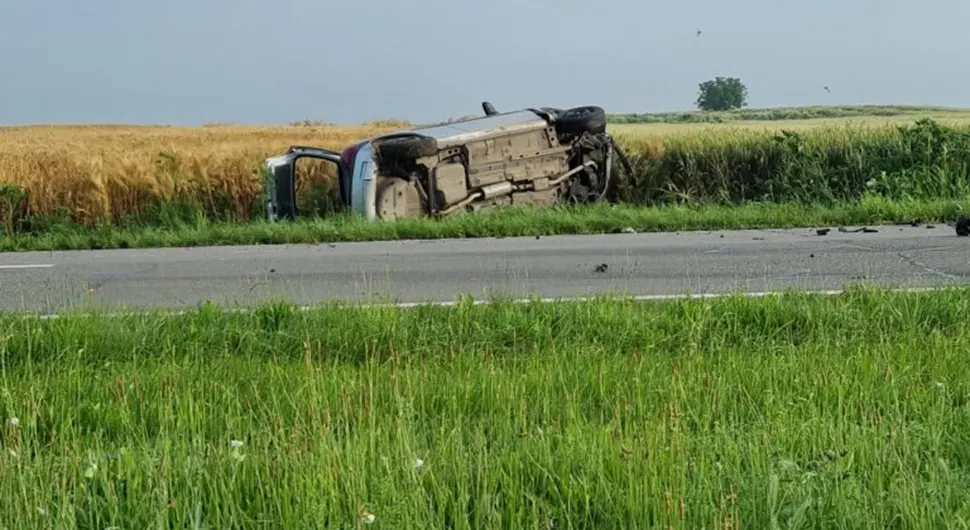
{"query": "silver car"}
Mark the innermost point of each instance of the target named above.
(538, 157)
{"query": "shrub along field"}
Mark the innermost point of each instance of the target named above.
(848, 411)
(55, 176)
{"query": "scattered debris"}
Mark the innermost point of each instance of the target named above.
(811, 255)
(930, 226)
(758, 238)
(629, 230)
(537, 237)
(864, 229)
(823, 231)
(722, 236)
(963, 226)
(272, 270)
(601, 267)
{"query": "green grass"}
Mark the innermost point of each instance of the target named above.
(924, 160)
(787, 412)
(501, 223)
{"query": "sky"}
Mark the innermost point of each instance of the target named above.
(183, 62)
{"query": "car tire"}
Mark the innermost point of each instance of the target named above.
(406, 147)
(579, 120)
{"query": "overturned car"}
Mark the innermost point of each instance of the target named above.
(537, 157)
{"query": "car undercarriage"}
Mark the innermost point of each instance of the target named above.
(536, 157)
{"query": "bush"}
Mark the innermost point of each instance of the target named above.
(925, 160)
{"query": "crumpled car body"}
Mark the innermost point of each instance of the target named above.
(538, 157)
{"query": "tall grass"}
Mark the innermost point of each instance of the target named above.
(925, 160)
(125, 176)
(794, 412)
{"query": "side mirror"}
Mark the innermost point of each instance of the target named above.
(489, 108)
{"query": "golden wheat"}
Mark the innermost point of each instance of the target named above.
(96, 171)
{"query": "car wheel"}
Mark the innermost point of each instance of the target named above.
(397, 199)
(579, 120)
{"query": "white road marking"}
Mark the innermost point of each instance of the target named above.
(642, 298)
(410, 305)
(28, 266)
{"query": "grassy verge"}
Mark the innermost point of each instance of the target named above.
(507, 223)
(847, 411)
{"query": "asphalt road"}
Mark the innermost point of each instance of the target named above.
(440, 270)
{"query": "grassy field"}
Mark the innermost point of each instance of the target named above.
(60, 179)
(512, 222)
(792, 412)
(788, 116)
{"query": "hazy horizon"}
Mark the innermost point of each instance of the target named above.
(249, 62)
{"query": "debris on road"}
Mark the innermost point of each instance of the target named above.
(823, 231)
(864, 229)
(601, 267)
(963, 226)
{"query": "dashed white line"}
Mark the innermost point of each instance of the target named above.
(28, 266)
(442, 303)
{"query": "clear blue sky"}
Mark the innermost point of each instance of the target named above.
(260, 61)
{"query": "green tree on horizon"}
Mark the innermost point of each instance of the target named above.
(722, 93)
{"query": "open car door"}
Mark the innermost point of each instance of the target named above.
(279, 182)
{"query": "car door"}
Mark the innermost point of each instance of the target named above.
(279, 182)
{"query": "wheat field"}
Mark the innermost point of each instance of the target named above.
(99, 170)
(117, 172)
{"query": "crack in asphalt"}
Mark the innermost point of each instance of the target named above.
(905, 258)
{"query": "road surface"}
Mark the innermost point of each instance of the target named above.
(441, 270)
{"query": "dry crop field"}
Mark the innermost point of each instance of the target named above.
(98, 170)
(131, 173)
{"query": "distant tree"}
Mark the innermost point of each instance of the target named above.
(722, 93)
